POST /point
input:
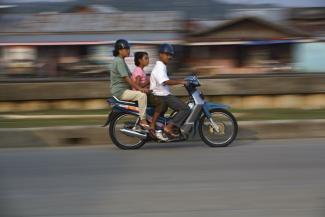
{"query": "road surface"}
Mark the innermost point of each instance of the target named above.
(249, 179)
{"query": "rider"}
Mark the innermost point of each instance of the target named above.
(121, 82)
(159, 85)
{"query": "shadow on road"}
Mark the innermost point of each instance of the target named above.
(192, 144)
(174, 145)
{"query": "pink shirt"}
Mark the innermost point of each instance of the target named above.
(138, 71)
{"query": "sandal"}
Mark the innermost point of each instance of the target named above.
(170, 133)
(144, 126)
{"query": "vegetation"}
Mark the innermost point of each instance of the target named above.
(98, 117)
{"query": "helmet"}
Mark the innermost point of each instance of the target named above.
(121, 44)
(166, 48)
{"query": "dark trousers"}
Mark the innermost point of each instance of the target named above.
(178, 105)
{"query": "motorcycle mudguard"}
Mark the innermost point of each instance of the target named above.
(110, 116)
(209, 106)
(115, 111)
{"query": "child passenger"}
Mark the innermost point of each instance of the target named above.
(141, 60)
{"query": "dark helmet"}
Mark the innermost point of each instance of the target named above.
(166, 48)
(121, 44)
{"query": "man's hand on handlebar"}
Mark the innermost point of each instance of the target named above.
(185, 83)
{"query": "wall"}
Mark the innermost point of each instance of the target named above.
(310, 57)
(296, 91)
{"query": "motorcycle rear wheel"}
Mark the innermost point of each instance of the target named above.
(122, 141)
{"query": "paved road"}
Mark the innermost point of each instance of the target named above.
(250, 179)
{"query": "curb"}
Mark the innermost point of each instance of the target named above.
(96, 135)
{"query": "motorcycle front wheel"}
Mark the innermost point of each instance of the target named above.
(122, 141)
(220, 130)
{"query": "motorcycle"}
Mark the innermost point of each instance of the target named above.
(216, 125)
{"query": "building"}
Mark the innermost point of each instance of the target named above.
(243, 45)
(80, 43)
(309, 57)
(67, 44)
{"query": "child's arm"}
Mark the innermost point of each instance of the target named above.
(138, 82)
(147, 82)
(135, 85)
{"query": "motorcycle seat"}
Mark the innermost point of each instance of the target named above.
(115, 100)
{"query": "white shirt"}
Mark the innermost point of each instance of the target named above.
(157, 78)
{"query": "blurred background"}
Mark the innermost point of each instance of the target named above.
(55, 55)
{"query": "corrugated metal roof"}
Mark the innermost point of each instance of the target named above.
(281, 28)
(84, 39)
(270, 14)
(90, 28)
(91, 22)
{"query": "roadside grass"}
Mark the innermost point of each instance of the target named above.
(23, 123)
(278, 114)
(60, 112)
(98, 117)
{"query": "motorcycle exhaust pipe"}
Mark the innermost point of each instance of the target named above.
(134, 133)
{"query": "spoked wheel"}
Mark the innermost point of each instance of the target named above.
(220, 130)
(122, 141)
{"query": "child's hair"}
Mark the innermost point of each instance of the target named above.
(138, 56)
